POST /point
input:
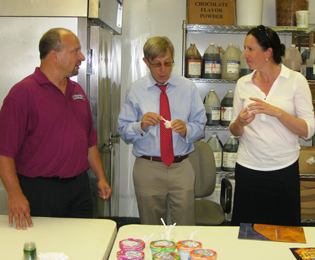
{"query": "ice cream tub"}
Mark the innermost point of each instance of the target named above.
(132, 244)
(162, 245)
(169, 255)
(184, 248)
(130, 255)
(203, 254)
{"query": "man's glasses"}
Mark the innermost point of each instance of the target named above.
(264, 29)
(159, 65)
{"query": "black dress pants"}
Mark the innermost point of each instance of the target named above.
(53, 197)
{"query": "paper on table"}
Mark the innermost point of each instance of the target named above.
(53, 256)
(272, 233)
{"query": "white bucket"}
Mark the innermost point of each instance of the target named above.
(249, 12)
(302, 18)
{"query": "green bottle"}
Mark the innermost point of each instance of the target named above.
(30, 251)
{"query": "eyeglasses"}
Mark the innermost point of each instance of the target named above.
(159, 65)
(264, 29)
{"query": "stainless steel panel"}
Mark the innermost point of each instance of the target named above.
(107, 13)
(99, 88)
(74, 8)
(115, 109)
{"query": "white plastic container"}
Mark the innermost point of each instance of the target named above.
(211, 63)
(249, 12)
(213, 108)
(216, 147)
(293, 58)
(302, 18)
(230, 63)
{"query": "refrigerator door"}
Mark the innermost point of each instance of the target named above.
(99, 89)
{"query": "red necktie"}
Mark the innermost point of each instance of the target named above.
(167, 153)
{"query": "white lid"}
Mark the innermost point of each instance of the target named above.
(230, 44)
(293, 45)
(211, 89)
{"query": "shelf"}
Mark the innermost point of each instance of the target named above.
(201, 80)
(217, 127)
(231, 174)
(233, 29)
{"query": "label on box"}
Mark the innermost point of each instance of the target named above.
(219, 12)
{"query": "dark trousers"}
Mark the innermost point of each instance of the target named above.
(267, 197)
(58, 197)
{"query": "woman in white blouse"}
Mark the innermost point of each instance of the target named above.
(272, 108)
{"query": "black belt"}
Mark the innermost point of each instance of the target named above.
(58, 178)
(177, 159)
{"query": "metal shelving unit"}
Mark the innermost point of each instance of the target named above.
(233, 29)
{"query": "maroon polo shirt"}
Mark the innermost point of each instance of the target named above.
(47, 133)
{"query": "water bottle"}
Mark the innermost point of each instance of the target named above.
(192, 62)
(230, 63)
(211, 63)
(30, 251)
(305, 55)
(216, 134)
(212, 106)
(310, 65)
(221, 51)
(244, 69)
(293, 58)
(227, 108)
(217, 151)
(229, 155)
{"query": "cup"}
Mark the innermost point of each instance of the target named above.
(302, 17)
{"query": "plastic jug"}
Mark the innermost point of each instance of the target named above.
(220, 50)
(211, 63)
(192, 62)
(293, 58)
(212, 106)
(305, 55)
(217, 151)
(230, 63)
(310, 65)
(216, 134)
(229, 155)
(227, 108)
(244, 69)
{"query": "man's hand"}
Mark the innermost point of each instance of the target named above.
(150, 119)
(104, 190)
(19, 209)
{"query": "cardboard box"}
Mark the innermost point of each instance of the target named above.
(307, 198)
(306, 153)
(212, 12)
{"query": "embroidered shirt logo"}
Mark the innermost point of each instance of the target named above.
(78, 96)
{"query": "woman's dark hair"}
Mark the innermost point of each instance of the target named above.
(268, 38)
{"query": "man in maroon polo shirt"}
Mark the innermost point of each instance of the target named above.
(47, 139)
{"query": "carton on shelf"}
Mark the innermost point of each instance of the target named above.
(211, 12)
(306, 163)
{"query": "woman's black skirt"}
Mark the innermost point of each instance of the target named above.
(267, 197)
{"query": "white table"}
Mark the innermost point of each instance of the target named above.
(224, 240)
(82, 239)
